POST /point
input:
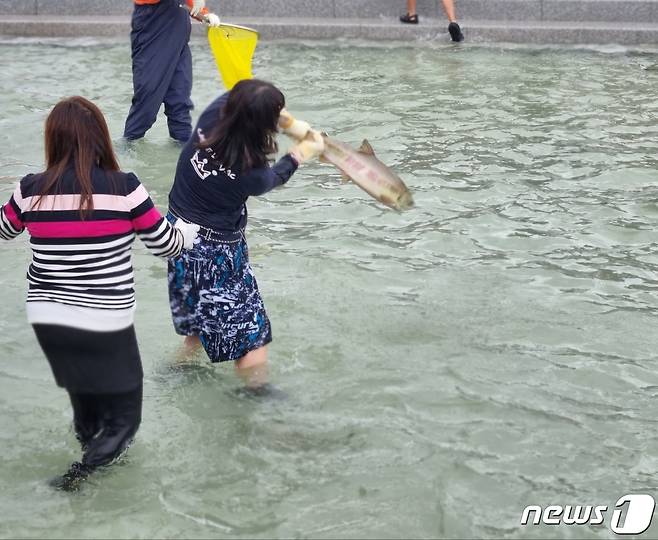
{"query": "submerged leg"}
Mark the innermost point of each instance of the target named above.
(159, 34)
(122, 415)
(187, 351)
(252, 368)
(454, 29)
(117, 417)
(177, 101)
(191, 344)
(86, 421)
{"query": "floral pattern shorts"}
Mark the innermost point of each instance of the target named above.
(213, 294)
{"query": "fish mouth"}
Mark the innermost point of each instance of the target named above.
(405, 201)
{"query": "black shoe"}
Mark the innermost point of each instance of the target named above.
(72, 479)
(455, 32)
(409, 19)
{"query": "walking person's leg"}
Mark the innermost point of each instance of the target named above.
(105, 425)
(449, 8)
(178, 101)
(86, 420)
(411, 17)
(453, 28)
(121, 416)
(252, 368)
(234, 325)
(159, 34)
(102, 373)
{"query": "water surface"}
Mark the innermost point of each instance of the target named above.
(492, 348)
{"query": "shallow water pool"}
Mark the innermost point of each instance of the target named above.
(492, 348)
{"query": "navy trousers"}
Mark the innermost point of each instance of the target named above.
(162, 69)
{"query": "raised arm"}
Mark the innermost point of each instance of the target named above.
(11, 217)
(260, 181)
(158, 235)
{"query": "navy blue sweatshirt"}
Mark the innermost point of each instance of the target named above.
(210, 194)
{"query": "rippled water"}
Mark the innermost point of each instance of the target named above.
(492, 348)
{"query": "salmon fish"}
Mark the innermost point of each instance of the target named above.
(364, 169)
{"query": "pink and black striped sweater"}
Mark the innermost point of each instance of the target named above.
(81, 273)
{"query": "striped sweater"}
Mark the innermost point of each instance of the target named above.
(81, 265)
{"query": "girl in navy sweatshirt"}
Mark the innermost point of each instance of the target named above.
(213, 293)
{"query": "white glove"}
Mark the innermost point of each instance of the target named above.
(212, 20)
(197, 6)
(297, 129)
(189, 232)
(311, 147)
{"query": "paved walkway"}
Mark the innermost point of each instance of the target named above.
(624, 22)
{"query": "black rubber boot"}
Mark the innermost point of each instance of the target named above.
(86, 419)
(72, 479)
(122, 414)
(105, 425)
(455, 32)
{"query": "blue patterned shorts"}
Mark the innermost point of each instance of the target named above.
(213, 294)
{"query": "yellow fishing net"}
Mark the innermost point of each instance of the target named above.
(233, 47)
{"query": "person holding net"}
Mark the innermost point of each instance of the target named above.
(162, 65)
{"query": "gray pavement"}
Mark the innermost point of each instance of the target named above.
(627, 22)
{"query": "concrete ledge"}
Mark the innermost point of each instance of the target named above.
(499, 10)
(494, 10)
(619, 11)
(373, 29)
(566, 33)
(58, 26)
(15, 7)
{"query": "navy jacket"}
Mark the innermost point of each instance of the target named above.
(208, 193)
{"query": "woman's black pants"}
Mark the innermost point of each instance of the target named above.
(105, 424)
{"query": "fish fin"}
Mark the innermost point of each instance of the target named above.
(344, 177)
(366, 149)
(323, 159)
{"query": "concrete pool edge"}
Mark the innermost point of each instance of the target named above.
(382, 28)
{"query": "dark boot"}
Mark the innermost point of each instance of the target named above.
(72, 479)
(86, 419)
(121, 416)
(455, 32)
(105, 425)
(409, 19)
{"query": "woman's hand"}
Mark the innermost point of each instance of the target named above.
(297, 129)
(311, 147)
(189, 231)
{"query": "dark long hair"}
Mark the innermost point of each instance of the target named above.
(245, 133)
(76, 135)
